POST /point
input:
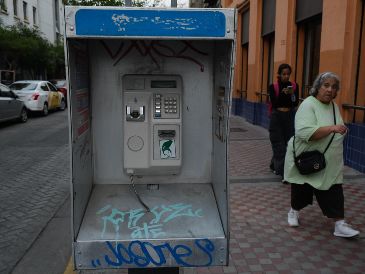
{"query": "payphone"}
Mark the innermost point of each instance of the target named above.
(152, 124)
(148, 111)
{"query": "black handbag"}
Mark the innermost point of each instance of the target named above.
(309, 162)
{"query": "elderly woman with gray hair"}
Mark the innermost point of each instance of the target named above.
(318, 122)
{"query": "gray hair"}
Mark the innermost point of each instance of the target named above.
(320, 79)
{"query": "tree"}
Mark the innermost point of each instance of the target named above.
(24, 49)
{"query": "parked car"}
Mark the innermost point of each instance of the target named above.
(11, 107)
(39, 95)
(61, 85)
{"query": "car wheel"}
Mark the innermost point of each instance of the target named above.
(23, 115)
(45, 109)
(62, 105)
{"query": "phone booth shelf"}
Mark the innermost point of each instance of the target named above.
(149, 97)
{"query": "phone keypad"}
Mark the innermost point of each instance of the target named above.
(170, 104)
(166, 106)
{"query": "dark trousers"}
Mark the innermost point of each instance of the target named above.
(330, 201)
(281, 129)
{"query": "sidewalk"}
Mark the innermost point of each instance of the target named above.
(261, 240)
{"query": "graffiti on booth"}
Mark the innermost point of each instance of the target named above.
(142, 254)
(142, 224)
(154, 49)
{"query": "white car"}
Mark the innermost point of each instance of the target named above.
(10, 106)
(39, 95)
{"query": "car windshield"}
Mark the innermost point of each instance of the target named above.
(23, 86)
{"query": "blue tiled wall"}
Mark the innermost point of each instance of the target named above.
(354, 144)
(354, 147)
(261, 115)
(255, 113)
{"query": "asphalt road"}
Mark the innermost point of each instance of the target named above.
(34, 188)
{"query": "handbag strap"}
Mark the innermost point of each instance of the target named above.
(333, 135)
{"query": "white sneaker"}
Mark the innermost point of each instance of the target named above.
(293, 217)
(343, 229)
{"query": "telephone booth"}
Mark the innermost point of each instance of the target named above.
(149, 98)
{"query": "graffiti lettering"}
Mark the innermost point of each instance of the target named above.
(153, 228)
(147, 231)
(182, 210)
(142, 254)
(154, 48)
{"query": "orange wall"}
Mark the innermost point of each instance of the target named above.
(333, 35)
(285, 35)
(338, 52)
(254, 50)
(339, 43)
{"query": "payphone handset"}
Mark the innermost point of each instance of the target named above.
(152, 124)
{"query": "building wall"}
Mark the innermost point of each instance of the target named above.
(338, 48)
(45, 16)
(339, 52)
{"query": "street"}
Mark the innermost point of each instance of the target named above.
(34, 176)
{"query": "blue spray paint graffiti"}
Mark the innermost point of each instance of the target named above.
(153, 228)
(142, 254)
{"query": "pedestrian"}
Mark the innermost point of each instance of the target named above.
(317, 122)
(284, 100)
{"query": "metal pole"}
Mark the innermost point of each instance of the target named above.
(173, 3)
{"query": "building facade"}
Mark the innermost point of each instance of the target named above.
(312, 36)
(45, 15)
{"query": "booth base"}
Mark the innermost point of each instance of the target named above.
(181, 228)
(164, 270)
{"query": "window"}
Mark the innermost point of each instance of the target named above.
(44, 87)
(312, 44)
(25, 13)
(34, 16)
(3, 5)
(268, 61)
(268, 39)
(244, 48)
(306, 9)
(4, 91)
(52, 87)
(244, 70)
(23, 86)
(268, 17)
(57, 16)
(15, 7)
(308, 16)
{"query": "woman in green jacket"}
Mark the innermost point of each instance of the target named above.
(314, 128)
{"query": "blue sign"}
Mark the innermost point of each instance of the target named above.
(152, 23)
